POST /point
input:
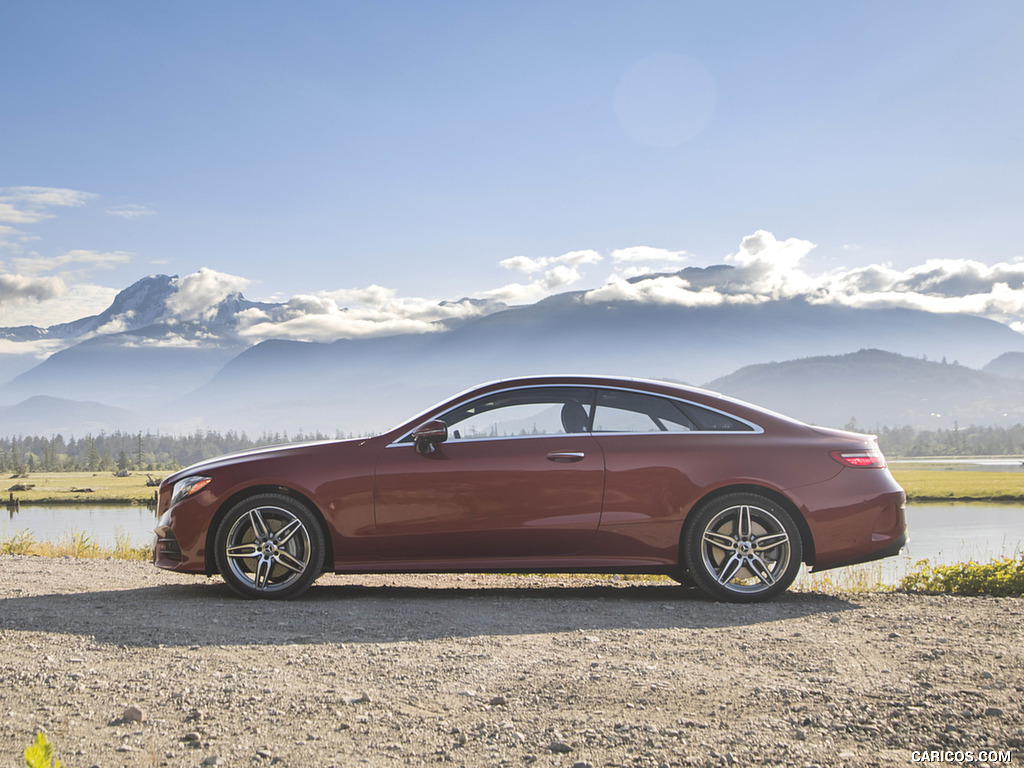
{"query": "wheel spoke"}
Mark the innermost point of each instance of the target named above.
(259, 525)
(262, 575)
(719, 540)
(289, 561)
(243, 551)
(287, 531)
(743, 526)
(760, 569)
(771, 541)
(732, 567)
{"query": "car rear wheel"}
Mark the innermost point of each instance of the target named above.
(269, 546)
(743, 548)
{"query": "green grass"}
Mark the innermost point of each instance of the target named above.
(73, 544)
(80, 488)
(968, 485)
(1000, 578)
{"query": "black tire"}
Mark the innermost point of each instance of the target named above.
(742, 548)
(269, 546)
(684, 578)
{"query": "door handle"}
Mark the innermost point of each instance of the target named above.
(565, 457)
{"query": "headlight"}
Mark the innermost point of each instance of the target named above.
(188, 486)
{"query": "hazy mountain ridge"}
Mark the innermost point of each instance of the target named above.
(180, 374)
(874, 388)
(43, 415)
(1010, 364)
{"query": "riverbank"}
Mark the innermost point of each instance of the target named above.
(960, 485)
(52, 488)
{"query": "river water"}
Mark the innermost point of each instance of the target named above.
(942, 533)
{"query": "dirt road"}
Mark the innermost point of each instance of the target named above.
(125, 665)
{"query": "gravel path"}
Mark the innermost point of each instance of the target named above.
(125, 665)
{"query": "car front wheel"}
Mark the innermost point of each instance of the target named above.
(743, 548)
(269, 546)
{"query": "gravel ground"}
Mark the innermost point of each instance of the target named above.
(125, 665)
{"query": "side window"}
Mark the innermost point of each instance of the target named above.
(619, 411)
(527, 412)
(712, 421)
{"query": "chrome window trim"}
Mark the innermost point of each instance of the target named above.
(755, 429)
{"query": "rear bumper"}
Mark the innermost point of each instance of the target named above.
(889, 550)
(856, 517)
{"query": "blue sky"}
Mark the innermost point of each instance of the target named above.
(442, 150)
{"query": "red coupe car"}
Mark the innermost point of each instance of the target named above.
(566, 474)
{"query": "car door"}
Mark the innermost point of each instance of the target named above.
(659, 455)
(519, 476)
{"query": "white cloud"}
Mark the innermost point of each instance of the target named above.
(641, 253)
(767, 269)
(557, 272)
(353, 313)
(79, 260)
(73, 302)
(8, 236)
(173, 341)
(130, 211)
(21, 288)
(529, 265)
(198, 294)
(28, 205)
(40, 349)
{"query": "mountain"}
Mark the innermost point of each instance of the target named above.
(176, 357)
(1010, 364)
(138, 352)
(43, 415)
(370, 384)
(872, 388)
(137, 306)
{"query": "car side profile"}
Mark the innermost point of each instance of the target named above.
(584, 474)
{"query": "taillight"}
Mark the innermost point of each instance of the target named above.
(867, 458)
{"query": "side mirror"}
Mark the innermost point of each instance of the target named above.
(426, 436)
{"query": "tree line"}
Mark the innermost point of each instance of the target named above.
(132, 452)
(148, 452)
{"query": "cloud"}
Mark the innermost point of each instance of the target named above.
(8, 235)
(530, 266)
(645, 260)
(354, 313)
(199, 293)
(80, 260)
(40, 348)
(557, 272)
(66, 303)
(767, 269)
(130, 211)
(21, 288)
(640, 253)
(29, 205)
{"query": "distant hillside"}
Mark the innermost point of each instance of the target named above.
(1011, 365)
(878, 388)
(42, 415)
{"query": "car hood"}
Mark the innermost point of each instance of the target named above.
(233, 458)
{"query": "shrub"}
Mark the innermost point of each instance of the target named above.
(19, 544)
(39, 754)
(999, 578)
